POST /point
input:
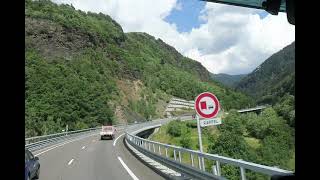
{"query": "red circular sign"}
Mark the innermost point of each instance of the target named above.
(207, 105)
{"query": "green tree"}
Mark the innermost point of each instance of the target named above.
(233, 124)
(175, 128)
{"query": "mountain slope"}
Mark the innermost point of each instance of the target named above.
(226, 79)
(273, 78)
(82, 70)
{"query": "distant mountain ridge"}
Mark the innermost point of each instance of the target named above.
(274, 78)
(227, 79)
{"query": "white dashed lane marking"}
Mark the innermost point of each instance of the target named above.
(70, 161)
(134, 177)
(115, 141)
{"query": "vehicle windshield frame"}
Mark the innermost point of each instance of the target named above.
(107, 128)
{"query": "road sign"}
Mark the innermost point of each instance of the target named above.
(210, 122)
(207, 105)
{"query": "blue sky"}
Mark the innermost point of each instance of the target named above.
(188, 17)
(263, 14)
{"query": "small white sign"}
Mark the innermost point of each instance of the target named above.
(210, 122)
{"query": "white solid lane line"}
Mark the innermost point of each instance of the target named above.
(115, 141)
(83, 147)
(70, 161)
(61, 144)
(128, 170)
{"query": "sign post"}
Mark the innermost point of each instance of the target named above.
(200, 139)
(206, 106)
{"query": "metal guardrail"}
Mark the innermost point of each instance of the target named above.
(39, 142)
(44, 137)
(172, 156)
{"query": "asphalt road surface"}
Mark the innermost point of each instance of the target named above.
(90, 158)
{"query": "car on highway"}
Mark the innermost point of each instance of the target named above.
(108, 132)
(32, 166)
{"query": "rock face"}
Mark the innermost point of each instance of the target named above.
(53, 40)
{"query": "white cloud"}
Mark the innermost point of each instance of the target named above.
(232, 39)
(235, 40)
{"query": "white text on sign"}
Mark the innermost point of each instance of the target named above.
(210, 122)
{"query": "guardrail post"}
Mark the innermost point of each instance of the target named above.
(159, 150)
(214, 170)
(218, 168)
(166, 152)
(243, 173)
(180, 156)
(149, 145)
(174, 154)
(154, 149)
(203, 164)
(199, 160)
(191, 157)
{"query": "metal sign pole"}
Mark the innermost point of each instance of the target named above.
(200, 140)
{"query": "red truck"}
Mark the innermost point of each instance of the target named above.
(108, 132)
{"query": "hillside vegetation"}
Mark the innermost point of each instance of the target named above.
(228, 80)
(274, 78)
(80, 68)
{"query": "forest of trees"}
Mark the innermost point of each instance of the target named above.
(274, 78)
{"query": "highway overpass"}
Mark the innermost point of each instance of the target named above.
(258, 109)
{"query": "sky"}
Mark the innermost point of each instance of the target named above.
(223, 38)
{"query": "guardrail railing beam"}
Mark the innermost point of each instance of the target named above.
(200, 169)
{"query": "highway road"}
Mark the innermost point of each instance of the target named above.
(89, 158)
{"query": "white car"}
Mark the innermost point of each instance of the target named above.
(107, 132)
